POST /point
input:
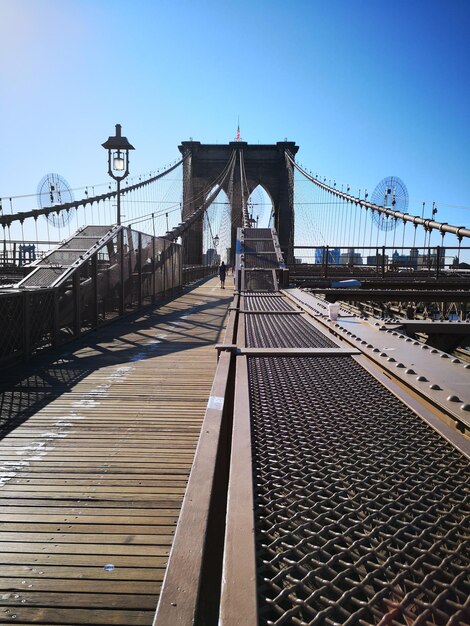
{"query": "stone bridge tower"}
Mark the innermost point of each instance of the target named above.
(264, 165)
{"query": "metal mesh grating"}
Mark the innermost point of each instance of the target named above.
(267, 303)
(265, 260)
(11, 316)
(79, 243)
(95, 231)
(63, 257)
(361, 508)
(43, 277)
(283, 331)
(41, 319)
(259, 280)
(258, 233)
(261, 245)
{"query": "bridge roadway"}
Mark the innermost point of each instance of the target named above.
(356, 513)
(98, 447)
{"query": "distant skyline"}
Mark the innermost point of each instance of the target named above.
(366, 88)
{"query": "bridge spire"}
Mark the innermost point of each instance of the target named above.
(238, 136)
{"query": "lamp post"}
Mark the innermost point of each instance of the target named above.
(118, 163)
(216, 245)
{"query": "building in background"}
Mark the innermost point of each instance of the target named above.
(333, 255)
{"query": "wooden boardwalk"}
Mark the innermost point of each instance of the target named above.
(93, 476)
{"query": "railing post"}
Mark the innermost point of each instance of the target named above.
(121, 271)
(55, 320)
(172, 268)
(139, 267)
(438, 260)
(76, 304)
(327, 255)
(180, 265)
(383, 261)
(26, 325)
(94, 273)
(164, 267)
(154, 278)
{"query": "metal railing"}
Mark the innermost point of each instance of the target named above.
(379, 261)
(191, 273)
(131, 270)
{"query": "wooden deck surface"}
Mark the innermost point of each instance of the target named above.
(92, 477)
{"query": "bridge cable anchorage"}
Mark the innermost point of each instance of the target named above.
(21, 216)
(428, 224)
(176, 232)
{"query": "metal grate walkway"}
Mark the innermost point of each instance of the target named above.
(361, 508)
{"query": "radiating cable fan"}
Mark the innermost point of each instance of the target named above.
(390, 193)
(53, 190)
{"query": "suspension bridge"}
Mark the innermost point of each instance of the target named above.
(294, 451)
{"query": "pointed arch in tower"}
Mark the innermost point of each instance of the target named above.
(264, 164)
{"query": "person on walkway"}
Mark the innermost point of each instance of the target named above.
(222, 272)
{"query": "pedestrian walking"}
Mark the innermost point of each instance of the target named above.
(222, 272)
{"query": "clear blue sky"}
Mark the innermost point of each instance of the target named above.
(367, 88)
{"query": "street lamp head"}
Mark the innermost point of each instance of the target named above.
(118, 163)
(118, 154)
(216, 241)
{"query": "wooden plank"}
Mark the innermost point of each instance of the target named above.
(47, 574)
(72, 585)
(59, 616)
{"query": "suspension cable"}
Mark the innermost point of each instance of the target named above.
(428, 224)
(21, 216)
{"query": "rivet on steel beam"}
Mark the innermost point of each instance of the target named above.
(422, 379)
(444, 356)
(399, 365)
(434, 387)
(465, 407)
(456, 361)
(410, 371)
(391, 359)
(453, 398)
